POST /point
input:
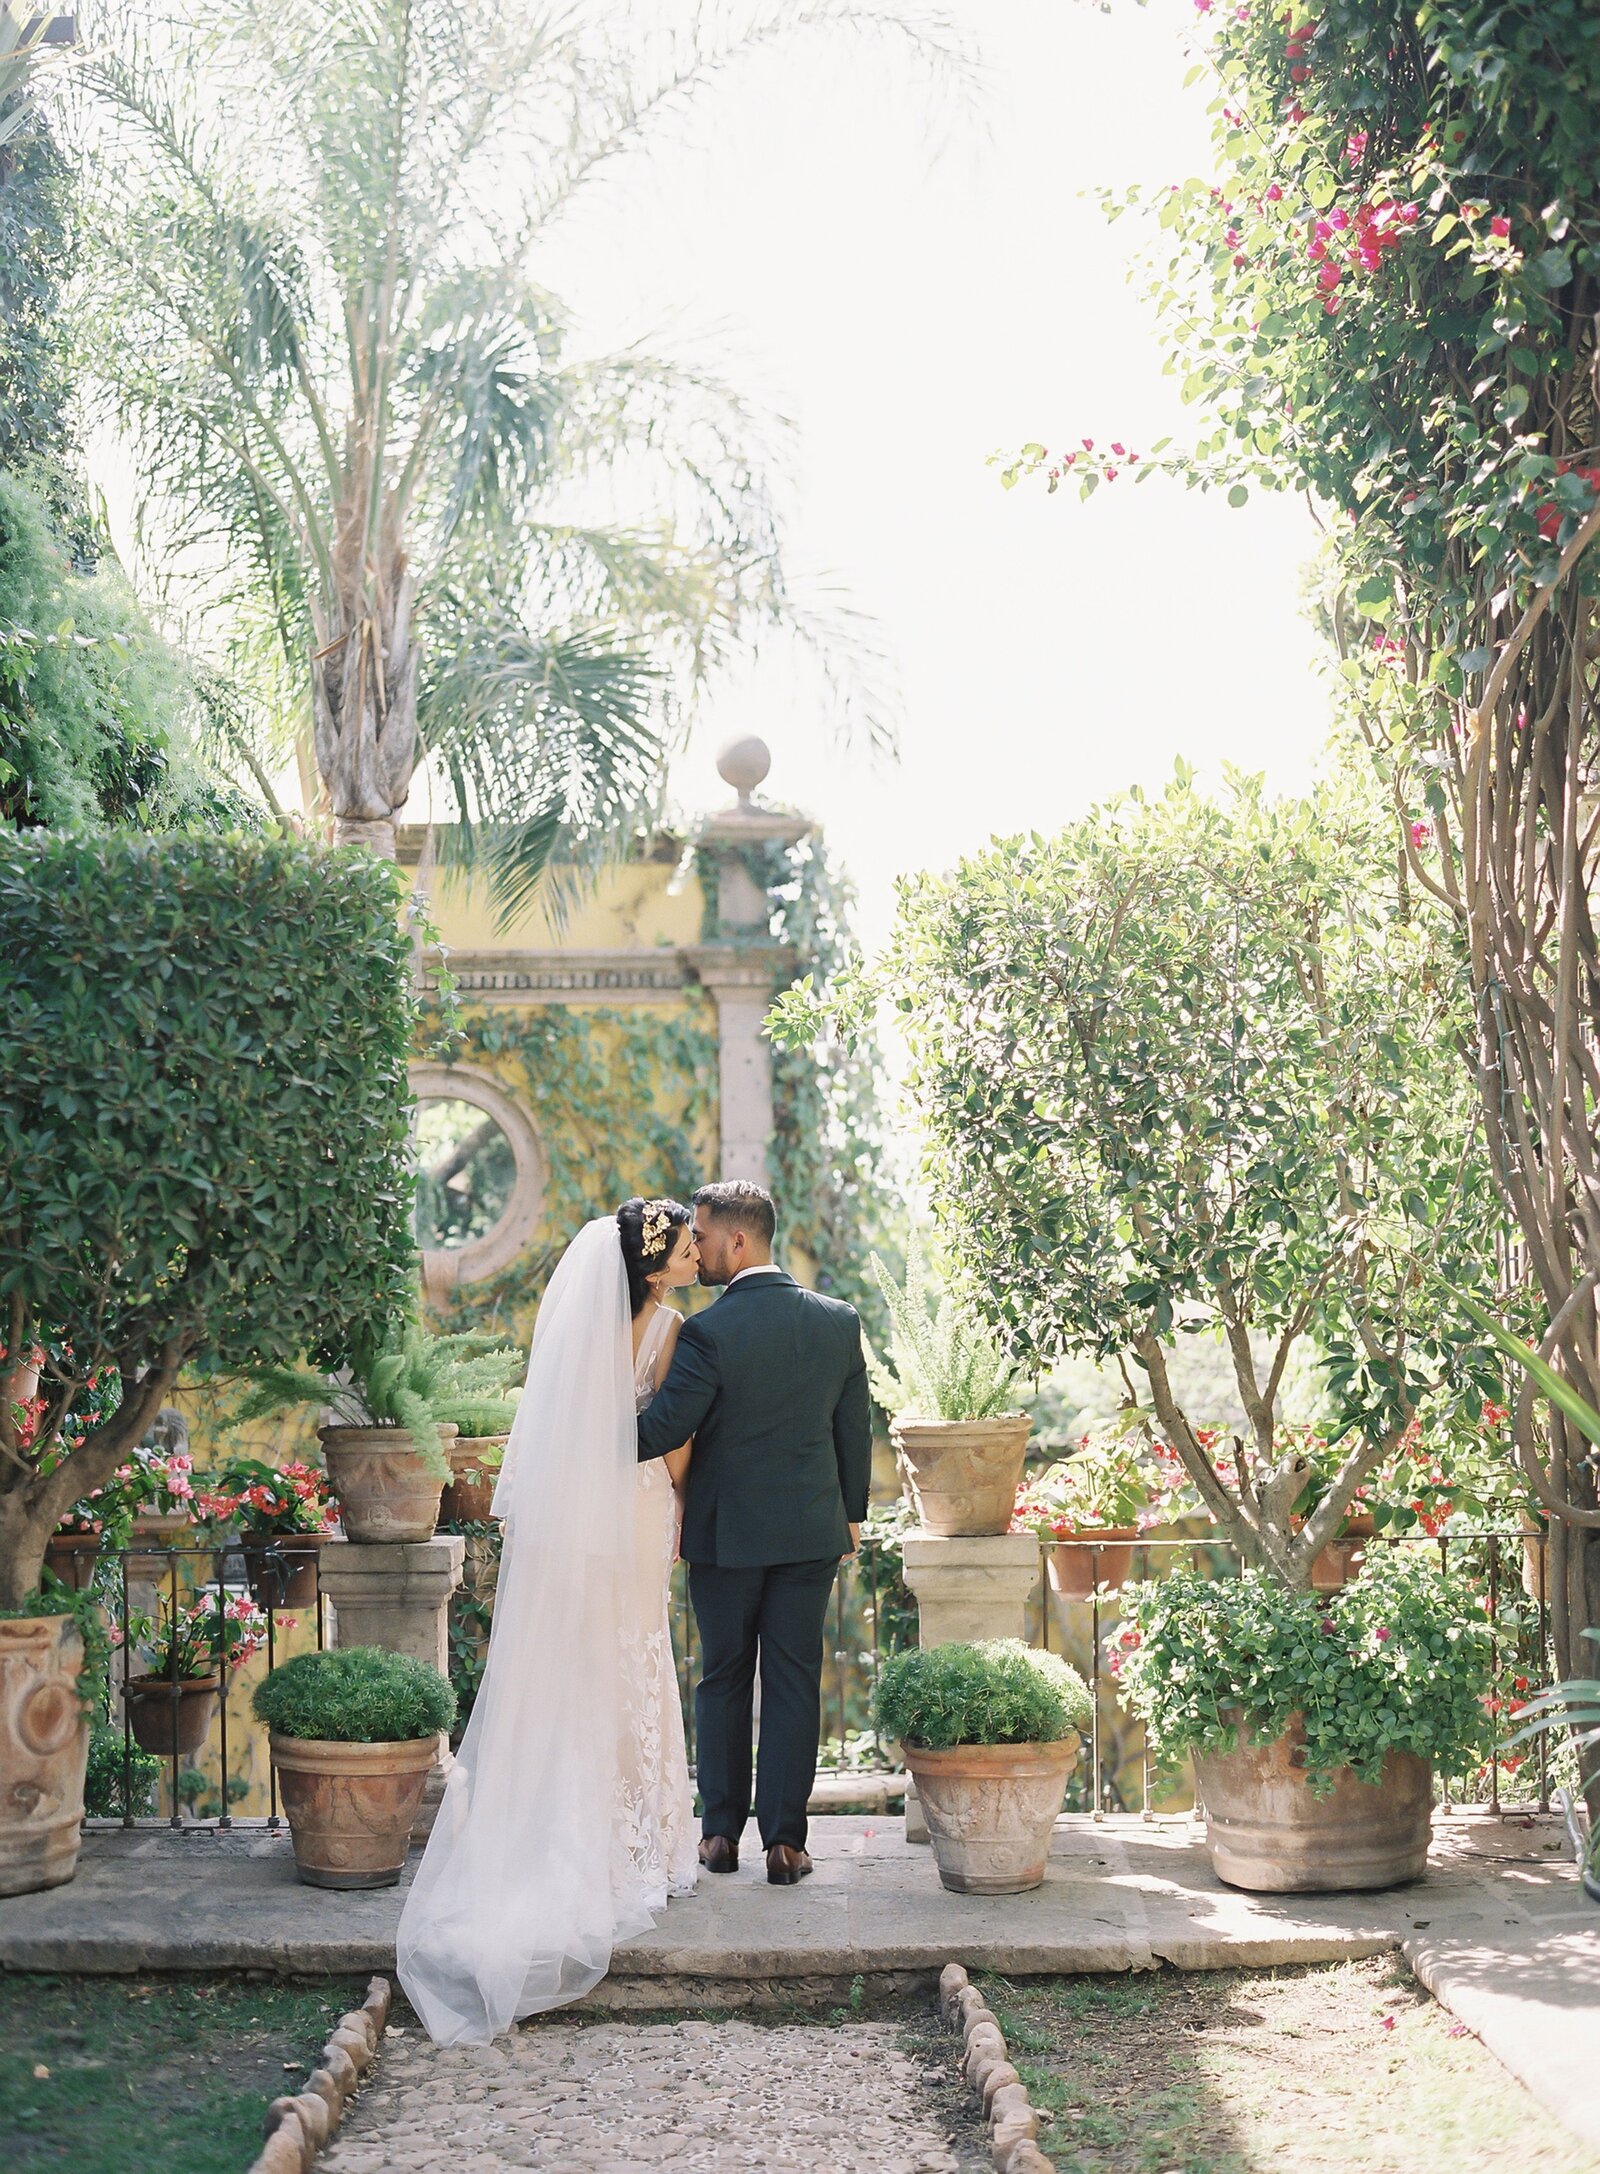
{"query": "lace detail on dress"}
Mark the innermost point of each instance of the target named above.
(655, 1827)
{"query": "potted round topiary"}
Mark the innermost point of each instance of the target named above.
(989, 1733)
(1088, 1512)
(355, 1733)
(1315, 1721)
(959, 1440)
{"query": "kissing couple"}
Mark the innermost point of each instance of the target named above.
(567, 1818)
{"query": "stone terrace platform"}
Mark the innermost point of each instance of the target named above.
(1499, 1929)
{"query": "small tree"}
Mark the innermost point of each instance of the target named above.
(1189, 1067)
(203, 1117)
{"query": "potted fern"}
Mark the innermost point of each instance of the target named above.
(483, 1427)
(386, 1438)
(959, 1439)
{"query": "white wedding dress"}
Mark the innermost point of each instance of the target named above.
(567, 1817)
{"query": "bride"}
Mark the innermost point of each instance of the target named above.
(568, 1818)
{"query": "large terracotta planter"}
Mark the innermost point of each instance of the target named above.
(44, 1748)
(1268, 1833)
(471, 1490)
(171, 1726)
(350, 1807)
(961, 1475)
(71, 1557)
(990, 1809)
(385, 1490)
(1535, 1561)
(281, 1567)
(1075, 1570)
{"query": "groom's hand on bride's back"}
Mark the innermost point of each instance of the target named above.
(855, 1542)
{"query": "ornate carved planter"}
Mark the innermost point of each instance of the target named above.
(961, 1475)
(385, 1490)
(44, 1747)
(281, 1567)
(350, 1807)
(990, 1809)
(1074, 1571)
(1268, 1833)
(170, 1718)
(71, 1557)
(471, 1490)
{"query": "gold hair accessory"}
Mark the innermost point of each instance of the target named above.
(653, 1230)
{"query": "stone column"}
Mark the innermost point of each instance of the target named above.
(742, 982)
(967, 1591)
(396, 1594)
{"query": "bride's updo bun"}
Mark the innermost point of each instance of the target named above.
(648, 1230)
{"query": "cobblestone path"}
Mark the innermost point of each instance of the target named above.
(607, 2098)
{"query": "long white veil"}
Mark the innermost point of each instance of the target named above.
(522, 1891)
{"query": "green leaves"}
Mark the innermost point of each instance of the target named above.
(1398, 1660)
(947, 1364)
(999, 1692)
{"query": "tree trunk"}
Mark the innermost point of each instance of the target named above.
(364, 700)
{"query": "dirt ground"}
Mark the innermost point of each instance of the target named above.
(1347, 2068)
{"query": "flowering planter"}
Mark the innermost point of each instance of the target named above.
(990, 1810)
(44, 1748)
(71, 1557)
(961, 1475)
(1075, 1570)
(171, 1719)
(350, 1807)
(471, 1490)
(281, 1567)
(1268, 1832)
(385, 1491)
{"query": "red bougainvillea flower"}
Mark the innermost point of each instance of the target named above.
(1382, 1634)
(1500, 225)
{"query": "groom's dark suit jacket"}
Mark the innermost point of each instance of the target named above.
(772, 1384)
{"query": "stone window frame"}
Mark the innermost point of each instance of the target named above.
(444, 1267)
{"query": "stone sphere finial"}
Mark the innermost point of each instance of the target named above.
(743, 763)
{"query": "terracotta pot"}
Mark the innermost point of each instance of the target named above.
(281, 1567)
(385, 1490)
(1342, 1558)
(990, 1809)
(171, 1725)
(1268, 1833)
(350, 1807)
(1074, 1570)
(166, 1528)
(71, 1557)
(44, 1747)
(19, 1385)
(961, 1475)
(471, 1490)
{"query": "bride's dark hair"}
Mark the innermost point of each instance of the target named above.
(646, 1228)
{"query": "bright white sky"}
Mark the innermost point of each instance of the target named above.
(913, 312)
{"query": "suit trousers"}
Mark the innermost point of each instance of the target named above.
(778, 1609)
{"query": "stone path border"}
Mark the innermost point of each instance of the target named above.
(297, 2128)
(1013, 2124)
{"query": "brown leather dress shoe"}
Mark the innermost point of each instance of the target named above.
(785, 1866)
(718, 1854)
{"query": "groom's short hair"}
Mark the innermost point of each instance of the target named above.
(737, 1201)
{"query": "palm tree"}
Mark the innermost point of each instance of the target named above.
(315, 308)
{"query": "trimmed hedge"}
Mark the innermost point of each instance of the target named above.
(355, 1695)
(203, 1110)
(999, 1692)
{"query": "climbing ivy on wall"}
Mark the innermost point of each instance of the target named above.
(625, 1102)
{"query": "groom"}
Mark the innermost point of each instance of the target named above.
(772, 1385)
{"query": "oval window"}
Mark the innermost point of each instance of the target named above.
(480, 1175)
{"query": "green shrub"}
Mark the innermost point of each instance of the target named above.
(203, 1128)
(475, 1417)
(946, 1363)
(1001, 1692)
(112, 1789)
(1399, 1659)
(355, 1695)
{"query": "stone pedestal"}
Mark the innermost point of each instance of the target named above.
(397, 1595)
(967, 1590)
